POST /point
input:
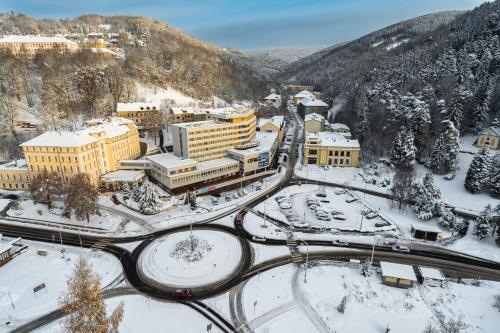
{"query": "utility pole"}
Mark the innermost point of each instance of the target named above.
(375, 238)
(307, 262)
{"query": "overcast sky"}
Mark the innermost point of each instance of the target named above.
(254, 24)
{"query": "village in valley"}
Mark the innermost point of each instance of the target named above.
(273, 213)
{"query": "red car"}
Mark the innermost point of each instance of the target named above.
(239, 219)
(183, 293)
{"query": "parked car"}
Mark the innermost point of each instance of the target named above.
(259, 239)
(339, 242)
(321, 195)
(285, 205)
(381, 224)
(235, 195)
(215, 201)
(183, 293)
(314, 207)
(318, 228)
(280, 199)
(400, 248)
(365, 211)
(340, 217)
(351, 199)
(300, 225)
(325, 167)
(324, 201)
(371, 215)
(339, 191)
(336, 212)
(228, 198)
(324, 217)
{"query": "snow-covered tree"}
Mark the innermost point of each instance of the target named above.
(403, 148)
(366, 268)
(362, 117)
(445, 151)
(149, 201)
(126, 191)
(477, 174)
(136, 192)
(84, 305)
(450, 221)
(427, 198)
(455, 109)
(44, 187)
(483, 223)
(494, 178)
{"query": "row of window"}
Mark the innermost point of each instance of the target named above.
(332, 153)
(204, 174)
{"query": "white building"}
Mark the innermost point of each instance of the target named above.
(273, 99)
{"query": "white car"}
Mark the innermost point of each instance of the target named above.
(299, 224)
(318, 228)
(339, 191)
(259, 239)
(338, 242)
(314, 207)
(400, 248)
(285, 205)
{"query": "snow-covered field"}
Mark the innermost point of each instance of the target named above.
(155, 94)
(28, 270)
(214, 257)
(264, 253)
(144, 315)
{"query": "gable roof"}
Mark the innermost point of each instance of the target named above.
(312, 101)
(272, 96)
(314, 116)
(494, 129)
(304, 93)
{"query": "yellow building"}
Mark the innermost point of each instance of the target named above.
(95, 150)
(189, 114)
(208, 140)
(326, 148)
(274, 124)
(314, 123)
(14, 175)
(490, 138)
(136, 112)
(98, 43)
(31, 45)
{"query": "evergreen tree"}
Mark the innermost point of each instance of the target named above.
(84, 305)
(427, 198)
(418, 116)
(480, 109)
(446, 148)
(126, 191)
(483, 223)
(450, 221)
(136, 192)
(477, 175)
(403, 149)
(362, 117)
(366, 268)
(456, 107)
(494, 178)
(149, 201)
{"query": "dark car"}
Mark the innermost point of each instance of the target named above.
(183, 293)
(321, 195)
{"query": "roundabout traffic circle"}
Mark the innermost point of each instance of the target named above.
(190, 260)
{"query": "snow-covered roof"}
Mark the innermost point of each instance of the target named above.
(329, 139)
(265, 140)
(400, 271)
(123, 176)
(339, 126)
(215, 163)
(272, 96)
(169, 160)
(120, 107)
(111, 127)
(304, 93)
(314, 116)
(312, 101)
(14, 165)
(494, 129)
(275, 120)
(34, 39)
(426, 228)
(431, 273)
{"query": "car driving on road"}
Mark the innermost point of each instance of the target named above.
(400, 248)
(259, 239)
(339, 242)
(183, 293)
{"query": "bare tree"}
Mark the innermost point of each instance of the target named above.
(154, 121)
(44, 187)
(9, 113)
(402, 185)
(81, 197)
(84, 304)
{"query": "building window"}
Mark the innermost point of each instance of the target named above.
(313, 152)
(336, 154)
(348, 154)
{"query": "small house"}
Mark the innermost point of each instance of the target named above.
(301, 95)
(426, 232)
(273, 100)
(431, 277)
(489, 137)
(312, 105)
(6, 250)
(314, 123)
(397, 275)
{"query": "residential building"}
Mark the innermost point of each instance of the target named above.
(341, 129)
(397, 275)
(136, 112)
(309, 105)
(273, 100)
(295, 89)
(177, 174)
(255, 155)
(31, 45)
(275, 124)
(301, 95)
(95, 43)
(326, 148)
(209, 139)
(314, 123)
(94, 150)
(490, 138)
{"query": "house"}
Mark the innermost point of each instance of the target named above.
(326, 148)
(397, 275)
(490, 138)
(295, 89)
(341, 129)
(274, 124)
(426, 232)
(301, 95)
(136, 112)
(432, 277)
(314, 123)
(312, 105)
(273, 100)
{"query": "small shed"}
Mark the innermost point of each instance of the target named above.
(426, 232)
(432, 277)
(397, 275)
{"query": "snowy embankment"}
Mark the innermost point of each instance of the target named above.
(156, 94)
(175, 261)
(142, 314)
(44, 264)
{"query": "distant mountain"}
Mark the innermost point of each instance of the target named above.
(271, 61)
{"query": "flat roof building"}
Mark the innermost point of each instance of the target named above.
(31, 45)
(327, 148)
(397, 275)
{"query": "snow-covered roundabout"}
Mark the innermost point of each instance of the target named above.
(185, 260)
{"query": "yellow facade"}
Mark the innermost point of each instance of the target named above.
(95, 44)
(137, 112)
(14, 176)
(208, 140)
(95, 151)
(490, 138)
(31, 45)
(342, 153)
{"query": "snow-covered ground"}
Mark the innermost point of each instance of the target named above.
(264, 253)
(144, 315)
(157, 94)
(171, 260)
(4, 203)
(29, 269)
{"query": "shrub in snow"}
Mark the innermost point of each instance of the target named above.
(366, 268)
(149, 200)
(483, 223)
(497, 302)
(477, 174)
(450, 221)
(126, 191)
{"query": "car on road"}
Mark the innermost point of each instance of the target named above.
(339, 242)
(339, 191)
(400, 248)
(351, 199)
(321, 195)
(239, 219)
(183, 293)
(259, 238)
(340, 217)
